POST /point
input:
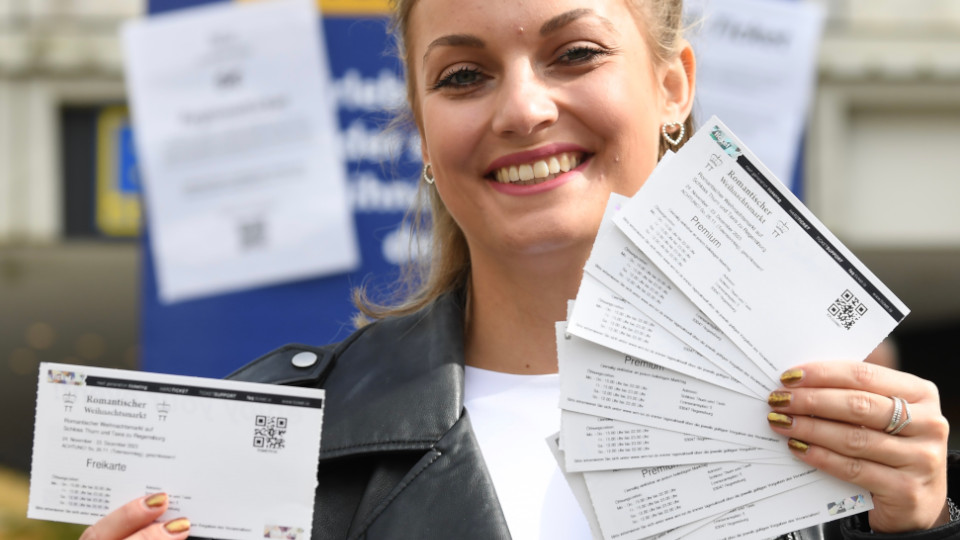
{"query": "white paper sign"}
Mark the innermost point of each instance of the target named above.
(756, 68)
(235, 129)
(104, 437)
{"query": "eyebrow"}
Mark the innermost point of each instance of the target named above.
(455, 40)
(552, 25)
(568, 17)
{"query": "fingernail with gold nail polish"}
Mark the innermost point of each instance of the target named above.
(779, 399)
(155, 500)
(178, 525)
(799, 446)
(781, 420)
(791, 376)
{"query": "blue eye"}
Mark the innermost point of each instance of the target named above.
(463, 77)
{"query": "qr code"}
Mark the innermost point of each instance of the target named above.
(253, 234)
(269, 432)
(846, 310)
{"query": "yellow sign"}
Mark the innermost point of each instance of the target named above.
(351, 7)
(354, 7)
(118, 187)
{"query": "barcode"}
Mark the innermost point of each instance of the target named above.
(846, 310)
(269, 432)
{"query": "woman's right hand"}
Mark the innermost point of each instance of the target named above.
(135, 521)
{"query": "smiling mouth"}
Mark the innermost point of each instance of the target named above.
(541, 170)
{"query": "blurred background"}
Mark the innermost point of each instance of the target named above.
(879, 168)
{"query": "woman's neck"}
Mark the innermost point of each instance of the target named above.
(513, 309)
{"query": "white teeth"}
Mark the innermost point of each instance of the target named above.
(538, 170)
(554, 165)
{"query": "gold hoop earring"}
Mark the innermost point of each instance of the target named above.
(427, 174)
(674, 141)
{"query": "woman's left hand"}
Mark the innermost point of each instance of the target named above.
(838, 412)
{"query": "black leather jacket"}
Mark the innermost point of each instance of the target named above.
(398, 458)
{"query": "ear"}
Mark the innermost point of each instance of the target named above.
(677, 81)
(424, 153)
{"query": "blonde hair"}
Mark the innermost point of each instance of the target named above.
(448, 266)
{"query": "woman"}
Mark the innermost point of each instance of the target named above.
(531, 113)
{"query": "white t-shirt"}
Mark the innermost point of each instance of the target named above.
(512, 416)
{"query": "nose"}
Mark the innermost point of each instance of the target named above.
(524, 103)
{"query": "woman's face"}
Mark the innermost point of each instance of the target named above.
(532, 112)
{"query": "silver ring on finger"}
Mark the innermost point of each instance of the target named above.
(897, 413)
(907, 419)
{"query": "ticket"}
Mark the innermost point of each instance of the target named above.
(591, 443)
(577, 485)
(603, 317)
(626, 271)
(822, 501)
(637, 503)
(750, 255)
(603, 382)
(238, 459)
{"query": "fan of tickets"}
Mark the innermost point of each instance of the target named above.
(700, 291)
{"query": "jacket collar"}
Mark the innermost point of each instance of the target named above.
(396, 384)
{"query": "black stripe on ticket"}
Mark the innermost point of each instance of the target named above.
(819, 238)
(203, 392)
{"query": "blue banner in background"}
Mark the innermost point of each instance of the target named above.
(214, 336)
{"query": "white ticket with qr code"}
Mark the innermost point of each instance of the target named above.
(748, 253)
(103, 437)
